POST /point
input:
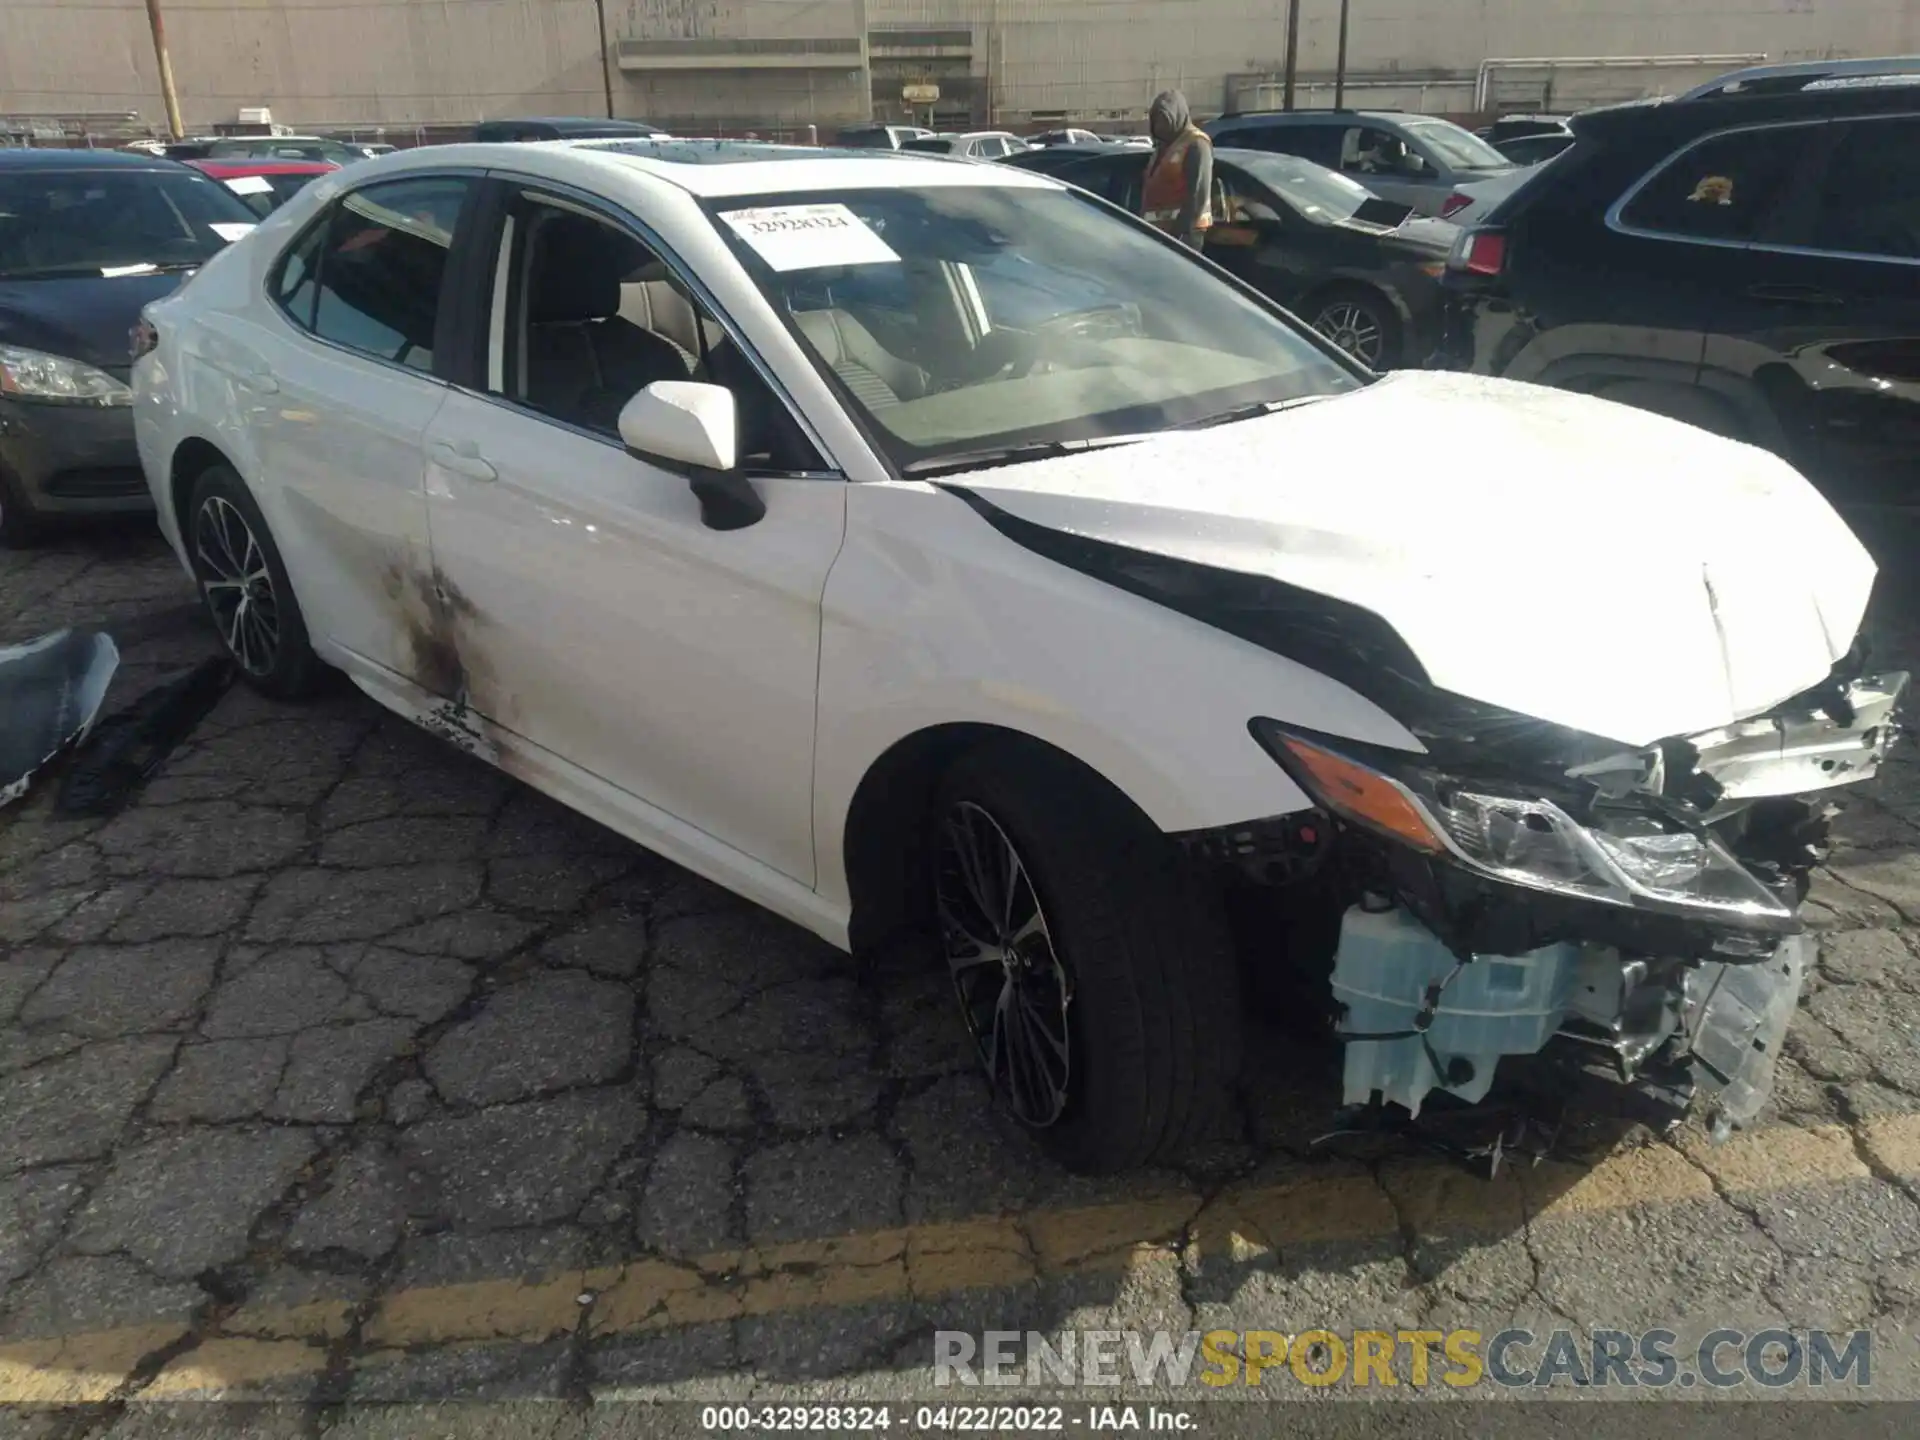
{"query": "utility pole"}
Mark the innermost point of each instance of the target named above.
(606, 59)
(1340, 65)
(1293, 51)
(172, 101)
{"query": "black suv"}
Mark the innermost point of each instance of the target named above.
(1745, 258)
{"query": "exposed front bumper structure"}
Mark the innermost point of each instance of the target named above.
(1441, 968)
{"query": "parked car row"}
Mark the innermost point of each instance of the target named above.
(1363, 271)
(1745, 258)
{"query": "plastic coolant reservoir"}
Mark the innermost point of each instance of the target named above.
(1497, 1005)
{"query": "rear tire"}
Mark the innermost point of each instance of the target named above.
(1361, 322)
(1113, 943)
(244, 584)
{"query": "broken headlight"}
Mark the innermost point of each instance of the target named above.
(1627, 857)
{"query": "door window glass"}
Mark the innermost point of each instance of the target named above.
(381, 272)
(1319, 143)
(593, 317)
(1869, 198)
(1721, 189)
(293, 287)
(1369, 151)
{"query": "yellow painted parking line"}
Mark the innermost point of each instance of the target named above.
(1321, 1204)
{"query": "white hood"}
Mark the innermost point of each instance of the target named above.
(1554, 554)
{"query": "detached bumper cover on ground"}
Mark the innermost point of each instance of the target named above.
(50, 691)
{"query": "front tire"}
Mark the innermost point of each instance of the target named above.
(244, 584)
(1093, 967)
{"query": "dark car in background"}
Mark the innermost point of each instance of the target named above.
(562, 127)
(263, 186)
(1745, 258)
(87, 237)
(283, 147)
(1418, 160)
(1528, 139)
(1363, 271)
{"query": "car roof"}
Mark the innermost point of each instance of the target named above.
(1825, 74)
(564, 123)
(1863, 88)
(84, 160)
(1303, 117)
(234, 169)
(721, 168)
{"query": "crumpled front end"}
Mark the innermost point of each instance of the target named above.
(1522, 887)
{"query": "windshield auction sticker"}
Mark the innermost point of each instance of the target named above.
(809, 237)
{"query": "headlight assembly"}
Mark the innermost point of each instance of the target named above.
(1628, 857)
(54, 379)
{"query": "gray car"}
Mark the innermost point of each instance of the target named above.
(1417, 160)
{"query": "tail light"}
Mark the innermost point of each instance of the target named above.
(1454, 204)
(1480, 252)
(144, 339)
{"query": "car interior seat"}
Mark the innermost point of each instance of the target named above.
(582, 361)
(876, 376)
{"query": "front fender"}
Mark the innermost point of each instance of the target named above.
(932, 618)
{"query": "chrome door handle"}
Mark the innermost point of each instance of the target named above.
(462, 460)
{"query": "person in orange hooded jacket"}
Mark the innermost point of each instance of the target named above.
(1177, 196)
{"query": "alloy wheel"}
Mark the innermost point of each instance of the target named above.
(1014, 990)
(238, 584)
(1354, 328)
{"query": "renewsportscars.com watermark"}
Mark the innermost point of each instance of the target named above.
(1379, 1359)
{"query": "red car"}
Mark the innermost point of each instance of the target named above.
(264, 185)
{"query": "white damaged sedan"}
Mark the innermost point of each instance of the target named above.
(938, 557)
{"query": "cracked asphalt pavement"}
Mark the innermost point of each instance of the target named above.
(338, 1068)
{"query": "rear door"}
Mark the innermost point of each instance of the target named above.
(1822, 313)
(344, 380)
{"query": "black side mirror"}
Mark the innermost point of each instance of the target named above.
(727, 499)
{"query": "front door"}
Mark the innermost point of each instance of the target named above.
(1823, 314)
(589, 609)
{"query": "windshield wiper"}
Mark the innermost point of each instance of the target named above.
(986, 459)
(1248, 412)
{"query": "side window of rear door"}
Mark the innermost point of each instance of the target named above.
(1867, 199)
(1720, 190)
(378, 274)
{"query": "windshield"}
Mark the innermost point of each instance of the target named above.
(936, 144)
(1461, 149)
(966, 318)
(107, 222)
(1313, 190)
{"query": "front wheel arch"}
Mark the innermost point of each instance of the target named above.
(192, 458)
(882, 845)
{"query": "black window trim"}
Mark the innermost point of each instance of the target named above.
(323, 222)
(1617, 210)
(516, 185)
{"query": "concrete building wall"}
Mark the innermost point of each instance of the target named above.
(782, 63)
(310, 61)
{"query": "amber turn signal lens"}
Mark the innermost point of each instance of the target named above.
(1360, 794)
